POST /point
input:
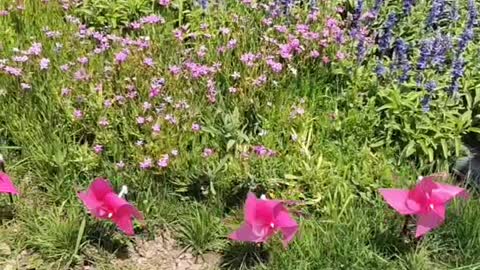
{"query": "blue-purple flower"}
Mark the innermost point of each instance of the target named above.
(437, 10)
(384, 40)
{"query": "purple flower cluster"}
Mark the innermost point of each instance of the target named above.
(402, 62)
(385, 39)
(436, 12)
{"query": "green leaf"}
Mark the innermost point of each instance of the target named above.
(230, 144)
(458, 146)
(444, 147)
(291, 177)
(410, 149)
(474, 129)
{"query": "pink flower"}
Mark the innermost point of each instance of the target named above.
(148, 62)
(120, 165)
(164, 3)
(122, 56)
(325, 59)
(83, 60)
(140, 120)
(6, 184)
(16, 72)
(44, 63)
(103, 203)
(98, 149)
(156, 128)
(207, 152)
(340, 56)
(275, 66)
(427, 201)
(164, 161)
(103, 122)
(25, 86)
(66, 91)
(78, 114)
(174, 70)
(196, 127)
(264, 218)
(36, 49)
(146, 164)
(248, 59)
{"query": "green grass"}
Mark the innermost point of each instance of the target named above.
(331, 166)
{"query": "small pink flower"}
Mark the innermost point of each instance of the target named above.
(120, 165)
(340, 56)
(83, 60)
(140, 120)
(66, 91)
(107, 103)
(207, 152)
(44, 63)
(196, 127)
(174, 70)
(65, 67)
(25, 86)
(148, 62)
(122, 56)
(164, 3)
(146, 164)
(78, 115)
(98, 149)
(103, 122)
(164, 161)
(325, 59)
(156, 128)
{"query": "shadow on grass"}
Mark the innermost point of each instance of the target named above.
(244, 256)
(104, 239)
(7, 212)
(391, 243)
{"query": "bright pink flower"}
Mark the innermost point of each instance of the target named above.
(263, 218)
(103, 203)
(427, 201)
(6, 184)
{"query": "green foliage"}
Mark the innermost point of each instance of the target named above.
(200, 230)
(117, 13)
(431, 136)
(337, 133)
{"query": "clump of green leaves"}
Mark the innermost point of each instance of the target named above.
(200, 230)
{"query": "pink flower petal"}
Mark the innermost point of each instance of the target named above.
(397, 199)
(446, 192)
(6, 184)
(100, 187)
(287, 225)
(245, 233)
(430, 220)
(250, 208)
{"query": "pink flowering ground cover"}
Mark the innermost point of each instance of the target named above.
(264, 134)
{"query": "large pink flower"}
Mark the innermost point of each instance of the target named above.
(427, 201)
(263, 218)
(103, 203)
